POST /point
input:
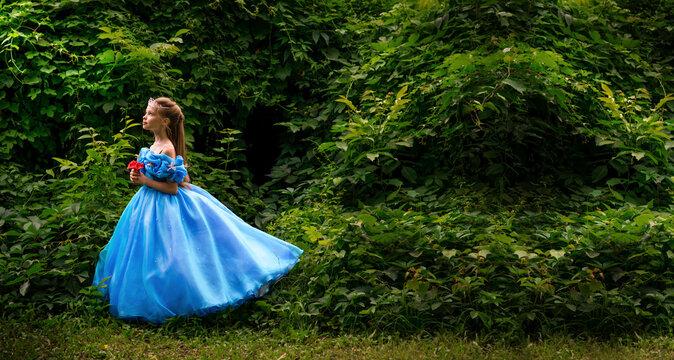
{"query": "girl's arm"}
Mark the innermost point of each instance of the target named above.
(185, 183)
(168, 187)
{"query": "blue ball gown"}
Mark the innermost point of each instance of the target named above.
(185, 254)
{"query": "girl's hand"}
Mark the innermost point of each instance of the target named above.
(137, 177)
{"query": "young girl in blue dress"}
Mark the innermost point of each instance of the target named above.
(176, 250)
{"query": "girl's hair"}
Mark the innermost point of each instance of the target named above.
(167, 108)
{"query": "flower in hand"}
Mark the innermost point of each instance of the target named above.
(135, 165)
(137, 177)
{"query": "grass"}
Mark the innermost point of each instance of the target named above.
(66, 337)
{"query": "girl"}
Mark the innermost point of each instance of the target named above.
(176, 250)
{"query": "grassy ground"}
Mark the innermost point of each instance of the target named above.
(76, 338)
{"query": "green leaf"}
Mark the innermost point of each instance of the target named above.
(412, 40)
(94, 155)
(662, 101)
(409, 173)
(34, 92)
(617, 195)
(48, 69)
(24, 288)
(33, 269)
(367, 219)
(409, 142)
(180, 32)
(449, 253)
(325, 146)
(397, 183)
(515, 85)
(595, 36)
(282, 73)
(107, 56)
(606, 90)
(6, 81)
(557, 253)
(643, 219)
(402, 92)
(599, 173)
(503, 238)
(332, 54)
(32, 79)
(522, 254)
(614, 181)
(346, 101)
(107, 107)
(592, 254)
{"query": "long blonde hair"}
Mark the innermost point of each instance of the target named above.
(175, 130)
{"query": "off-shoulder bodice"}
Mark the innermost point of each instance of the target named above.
(161, 167)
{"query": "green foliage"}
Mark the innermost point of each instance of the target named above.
(510, 272)
(71, 71)
(642, 139)
(502, 167)
(99, 181)
(91, 62)
(54, 227)
(368, 144)
(500, 92)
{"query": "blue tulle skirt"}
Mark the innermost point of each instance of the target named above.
(187, 255)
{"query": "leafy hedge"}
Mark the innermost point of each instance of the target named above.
(503, 92)
(510, 273)
(506, 92)
(92, 62)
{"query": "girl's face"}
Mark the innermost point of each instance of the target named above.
(152, 121)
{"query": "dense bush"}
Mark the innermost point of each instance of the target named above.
(511, 273)
(92, 62)
(503, 92)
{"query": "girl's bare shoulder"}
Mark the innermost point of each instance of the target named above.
(170, 151)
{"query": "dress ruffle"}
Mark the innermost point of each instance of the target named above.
(162, 167)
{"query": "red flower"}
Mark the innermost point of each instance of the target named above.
(135, 165)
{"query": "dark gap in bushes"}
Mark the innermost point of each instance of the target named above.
(262, 138)
(532, 146)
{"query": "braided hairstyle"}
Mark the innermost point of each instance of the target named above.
(175, 130)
